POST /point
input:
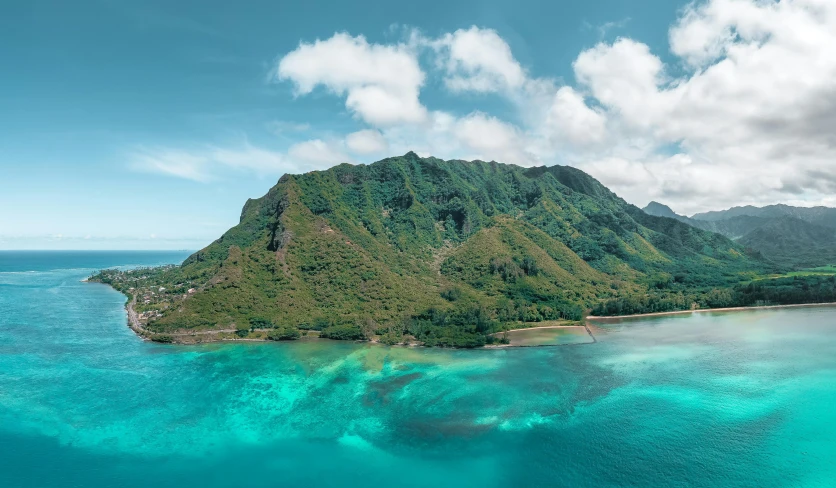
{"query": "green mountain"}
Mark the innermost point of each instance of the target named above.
(733, 226)
(793, 241)
(791, 236)
(447, 251)
(662, 210)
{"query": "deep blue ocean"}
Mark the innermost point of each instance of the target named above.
(744, 399)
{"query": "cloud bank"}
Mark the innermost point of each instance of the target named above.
(742, 113)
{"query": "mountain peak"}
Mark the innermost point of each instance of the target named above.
(659, 210)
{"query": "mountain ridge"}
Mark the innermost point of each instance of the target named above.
(799, 237)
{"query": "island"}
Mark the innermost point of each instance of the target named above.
(412, 250)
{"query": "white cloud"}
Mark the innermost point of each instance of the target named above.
(742, 114)
(381, 82)
(317, 154)
(493, 139)
(367, 141)
(434, 137)
(573, 121)
(248, 157)
(623, 76)
(478, 60)
(755, 113)
(173, 162)
(206, 163)
(621, 172)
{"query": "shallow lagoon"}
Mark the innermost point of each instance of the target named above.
(732, 399)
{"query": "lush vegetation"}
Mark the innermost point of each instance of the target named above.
(445, 253)
(284, 333)
(816, 285)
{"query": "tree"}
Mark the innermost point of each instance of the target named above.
(284, 333)
(242, 330)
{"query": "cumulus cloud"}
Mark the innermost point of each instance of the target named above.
(571, 120)
(381, 85)
(367, 141)
(478, 60)
(492, 139)
(753, 114)
(620, 172)
(742, 114)
(623, 76)
(317, 154)
(381, 82)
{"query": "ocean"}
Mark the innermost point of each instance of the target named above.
(742, 399)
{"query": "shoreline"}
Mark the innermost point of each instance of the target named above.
(582, 325)
(135, 325)
(708, 310)
(133, 320)
(145, 335)
(543, 327)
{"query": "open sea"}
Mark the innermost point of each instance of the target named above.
(744, 399)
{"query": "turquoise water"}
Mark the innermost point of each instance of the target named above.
(719, 400)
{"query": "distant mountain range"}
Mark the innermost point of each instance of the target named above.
(792, 236)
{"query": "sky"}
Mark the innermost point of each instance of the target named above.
(128, 124)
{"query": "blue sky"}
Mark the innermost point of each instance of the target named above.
(147, 124)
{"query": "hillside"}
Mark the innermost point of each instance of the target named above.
(447, 251)
(793, 241)
(789, 236)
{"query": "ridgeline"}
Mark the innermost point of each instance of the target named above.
(793, 237)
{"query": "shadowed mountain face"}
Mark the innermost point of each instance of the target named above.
(789, 236)
(793, 241)
(406, 235)
(661, 210)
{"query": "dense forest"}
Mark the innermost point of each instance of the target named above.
(763, 292)
(444, 252)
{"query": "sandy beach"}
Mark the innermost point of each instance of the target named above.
(704, 310)
(515, 341)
